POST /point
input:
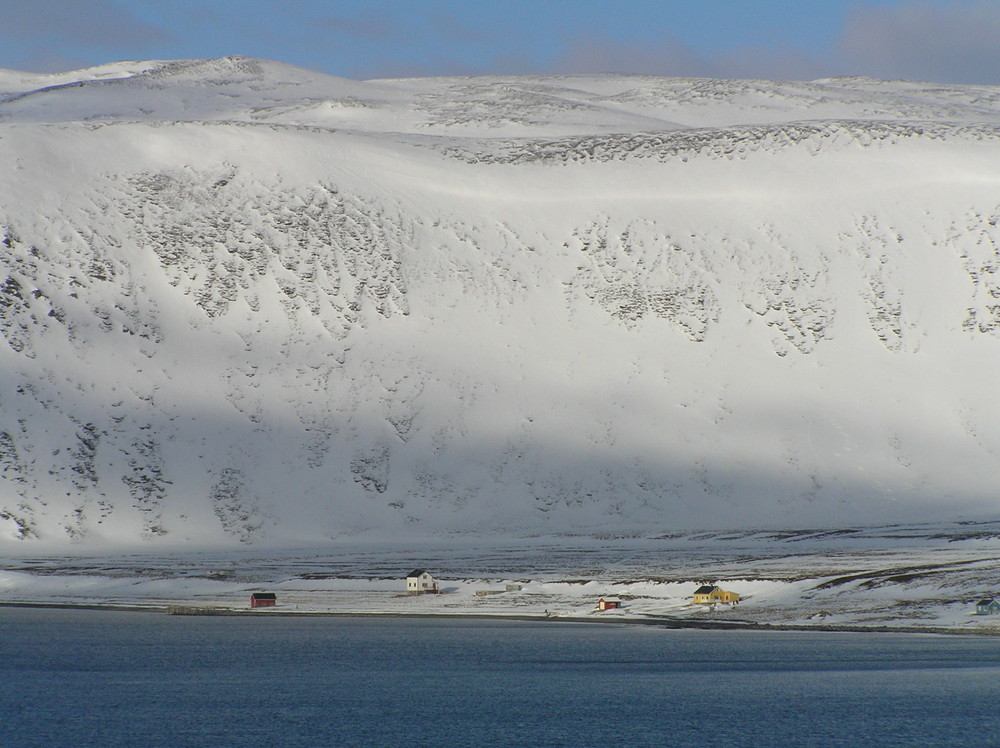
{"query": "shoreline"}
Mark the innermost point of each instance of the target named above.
(662, 622)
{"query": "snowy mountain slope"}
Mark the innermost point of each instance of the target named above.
(246, 302)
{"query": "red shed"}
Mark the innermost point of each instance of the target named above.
(608, 603)
(263, 600)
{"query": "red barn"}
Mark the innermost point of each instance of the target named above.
(263, 600)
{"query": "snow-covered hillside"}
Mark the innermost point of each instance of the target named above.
(243, 302)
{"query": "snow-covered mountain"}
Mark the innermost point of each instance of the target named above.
(242, 301)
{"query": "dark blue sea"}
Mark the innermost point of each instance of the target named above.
(101, 678)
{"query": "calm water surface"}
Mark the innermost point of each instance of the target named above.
(94, 678)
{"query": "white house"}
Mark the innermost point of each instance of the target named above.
(419, 581)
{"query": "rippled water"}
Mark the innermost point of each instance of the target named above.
(73, 677)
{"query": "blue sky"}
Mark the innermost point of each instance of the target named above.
(954, 41)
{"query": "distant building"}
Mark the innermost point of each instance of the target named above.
(609, 603)
(508, 588)
(263, 600)
(419, 582)
(987, 607)
(708, 594)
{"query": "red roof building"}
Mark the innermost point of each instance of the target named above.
(263, 600)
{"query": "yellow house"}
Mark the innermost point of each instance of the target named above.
(709, 594)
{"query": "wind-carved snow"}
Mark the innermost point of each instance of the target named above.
(794, 305)
(885, 301)
(977, 238)
(636, 272)
(738, 142)
(324, 252)
(490, 105)
(235, 507)
(146, 482)
(259, 305)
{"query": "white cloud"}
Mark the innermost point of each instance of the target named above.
(596, 54)
(954, 42)
(673, 58)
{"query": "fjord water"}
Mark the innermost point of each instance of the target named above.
(76, 677)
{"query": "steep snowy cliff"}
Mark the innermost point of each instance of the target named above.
(245, 302)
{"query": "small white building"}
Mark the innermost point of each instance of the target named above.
(419, 582)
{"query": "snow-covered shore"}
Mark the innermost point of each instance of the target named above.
(903, 579)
